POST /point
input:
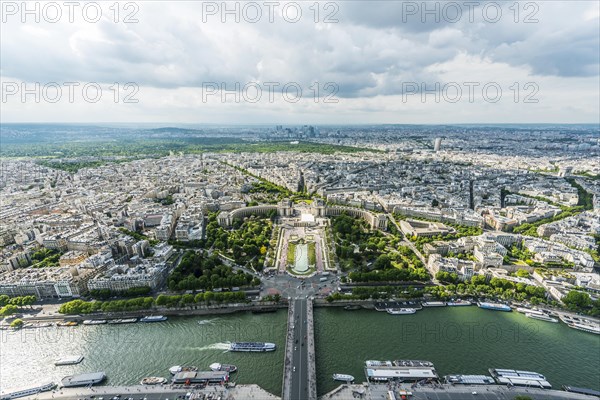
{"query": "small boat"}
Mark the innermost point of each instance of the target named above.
(123, 321)
(459, 303)
(178, 368)
(400, 311)
(43, 325)
(223, 367)
(352, 307)
(67, 323)
(433, 304)
(71, 360)
(541, 317)
(94, 321)
(154, 318)
(153, 380)
(343, 377)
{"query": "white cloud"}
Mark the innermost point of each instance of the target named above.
(371, 54)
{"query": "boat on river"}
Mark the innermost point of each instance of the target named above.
(541, 317)
(223, 367)
(153, 380)
(343, 377)
(400, 311)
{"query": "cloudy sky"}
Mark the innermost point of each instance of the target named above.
(301, 62)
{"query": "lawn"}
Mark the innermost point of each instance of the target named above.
(312, 254)
(291, 253)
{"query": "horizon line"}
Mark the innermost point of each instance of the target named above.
(174, 124)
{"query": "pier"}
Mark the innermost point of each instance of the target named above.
(299, 371)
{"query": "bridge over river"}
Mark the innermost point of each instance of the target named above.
(299, 373)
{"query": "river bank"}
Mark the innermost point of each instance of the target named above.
(51, 314)
(447, 392)
(342, 392)
(239, 392)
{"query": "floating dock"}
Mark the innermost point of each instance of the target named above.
(589, 392)
(520, 378)
(70, 360)
(83, 379)
(433, 304)
(384, 305)
(469, 379)
(207, 377)
(399, 370)
(15, 394)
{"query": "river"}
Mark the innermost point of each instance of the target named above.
(457, 340)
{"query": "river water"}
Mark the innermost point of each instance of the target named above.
(456, 340)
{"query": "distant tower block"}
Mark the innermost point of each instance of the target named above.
(437, 144)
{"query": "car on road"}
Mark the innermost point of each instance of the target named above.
(294, 369)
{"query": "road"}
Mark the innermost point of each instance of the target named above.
(299, 384)
(291, 287)
(406, 242)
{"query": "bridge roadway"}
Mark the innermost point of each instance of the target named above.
(299, 375)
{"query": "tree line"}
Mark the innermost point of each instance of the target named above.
(12, 305)
(478, 285)
(146, 303)
(104, 294)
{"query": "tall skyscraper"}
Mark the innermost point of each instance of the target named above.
(437, 144)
